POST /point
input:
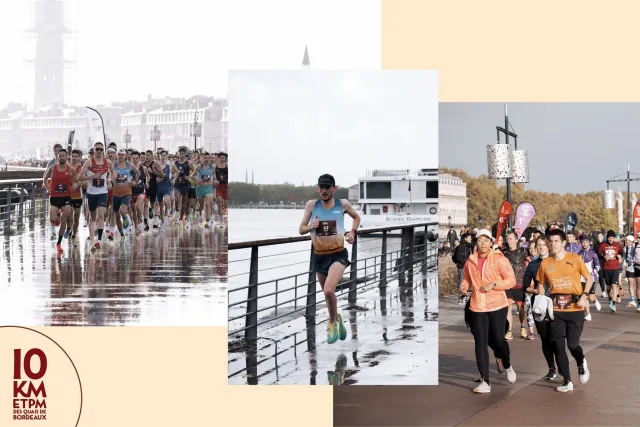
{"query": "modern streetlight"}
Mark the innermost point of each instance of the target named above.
(126, 138)
(505, 163)
(156, 135)
(196, 130)
(608, 197)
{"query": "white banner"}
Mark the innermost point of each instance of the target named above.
(96, 126)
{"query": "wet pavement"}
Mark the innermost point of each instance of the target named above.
(611, 343)
(175, 278)
(391, 340)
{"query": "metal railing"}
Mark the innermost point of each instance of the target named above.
(21, 201)
(415, 251)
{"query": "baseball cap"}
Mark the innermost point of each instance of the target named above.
(485, 233)
(326, 179)
(90, 150)
(631, 238)
(111, 150)
(611, 233)
(122, 151)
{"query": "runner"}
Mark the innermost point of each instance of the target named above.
(572, 245)
(530, 284)
(599, 240)
(611, 251)
(204, 175)
(122, 190)
(182, 187)
(516, 256)
(192, 210)
(111, 218)
(636, 274)
(222, 190)
(164, 183)
(562, 272)
(139, 199)
(592, 262)
(488, 273)
(324, 219)
(628, 255)
(62, 178)
(76, 200)
(96, 172)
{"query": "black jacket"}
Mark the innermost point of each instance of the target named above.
(461, 253)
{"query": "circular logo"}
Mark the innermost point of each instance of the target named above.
(433, 210)
(38, 380)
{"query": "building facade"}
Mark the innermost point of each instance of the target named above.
(452, 203)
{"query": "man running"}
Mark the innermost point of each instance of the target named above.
(164, 183)
(572, 245)
(96, 171)
(611, 251)
(628, 255)
(122, 190)
(139, 199)
(324, 219)
(516, 256)
(592, 262)
(204, 175)
(182, 187)
(599, 240)
(221, 182)
(562, 272)
(489, 274)
(76, 200)
(63, 177)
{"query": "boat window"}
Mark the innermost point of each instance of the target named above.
(375, 211)
(378, 190)
(362, 190)
(432, 189)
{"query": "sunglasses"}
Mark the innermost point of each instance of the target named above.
(325, 187)
(98, 149)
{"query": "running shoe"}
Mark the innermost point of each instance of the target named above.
(509, 335)
(612, 306)
(632, 303)
(123, 239)
(511, 375)
(332, 332)
(59, 247)
(531, 336)
(550, 375)
(587, 317)
(341, 328)
(604, 294)
(598, 305)
(584, 372)
(523, 333)
(483, 388)
(125, 222)
(565, 387)
(500, 366)
(67, 234)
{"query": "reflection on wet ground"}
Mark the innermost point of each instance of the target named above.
(173, 278)
(392, 340)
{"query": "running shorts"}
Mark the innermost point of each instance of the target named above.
(119, 201)
(611, 277)
(630, 274)
(183, 189)
(134, 197)
(322, 263)
(516, 294)
(192, 193)
(76, 203)
(222, 190)
(204, 190)
(96, 201)
(636, 271)
(152, 191)
(60, 202)
(163, 190)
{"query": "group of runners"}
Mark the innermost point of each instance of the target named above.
(552, 277)
(130, 192)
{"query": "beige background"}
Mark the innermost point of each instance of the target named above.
(557, 51)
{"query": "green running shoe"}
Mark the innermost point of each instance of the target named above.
(342, 328)
(332, 333)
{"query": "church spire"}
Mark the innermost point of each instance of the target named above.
(305, 60)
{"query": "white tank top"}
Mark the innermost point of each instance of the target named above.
(98, 183)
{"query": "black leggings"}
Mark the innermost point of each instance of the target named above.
(547, 343)
(601, 279)
(488, 331)
(567, 326)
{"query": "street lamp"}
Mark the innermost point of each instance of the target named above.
(196, 130)
(155, 137)
(608, 197)
(450, 223)
(505, 163)
(126, 138)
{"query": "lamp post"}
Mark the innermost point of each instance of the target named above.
(126, 138)
(450, 223)
(155, 137)
(196, 130)
(505, 163)
(609, 196)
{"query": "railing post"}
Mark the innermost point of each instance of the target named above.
(353, 274)
(310, 311)
(402, 259)
(410, 250)
(21, 206)
(7, 213)
(383, 264)
(251, 320)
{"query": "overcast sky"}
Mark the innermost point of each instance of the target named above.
(126, 49)
(293, 126)
(573, 147)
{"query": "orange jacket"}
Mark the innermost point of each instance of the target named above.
(496, 269)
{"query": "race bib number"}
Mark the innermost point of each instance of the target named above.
(121, 179)
(562, 301)
(206, 178)
(60, 188)
(327, 228)
(181, 179)
(98, 182)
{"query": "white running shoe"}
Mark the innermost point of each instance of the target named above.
(565, 387)
(584, 372)
(511, 375)
(598, 305)
(587, 317)
(482, 388)
(632, 304)
(604, 294)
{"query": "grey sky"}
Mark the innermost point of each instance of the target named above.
(127, 49)
(292, 126)
(573, 147)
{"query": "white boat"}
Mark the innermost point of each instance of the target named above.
(396, 197)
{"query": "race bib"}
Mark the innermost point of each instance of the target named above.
(206, 178)
(562, 301)
(180, 179)
(327, 228)
(121, 179)
(60, 188)
(98, 182)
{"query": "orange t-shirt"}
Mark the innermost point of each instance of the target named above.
(563, 278)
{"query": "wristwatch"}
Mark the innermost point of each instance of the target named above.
(586, 293)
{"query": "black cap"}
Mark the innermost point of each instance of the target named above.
(611, 233)
(326, 179)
